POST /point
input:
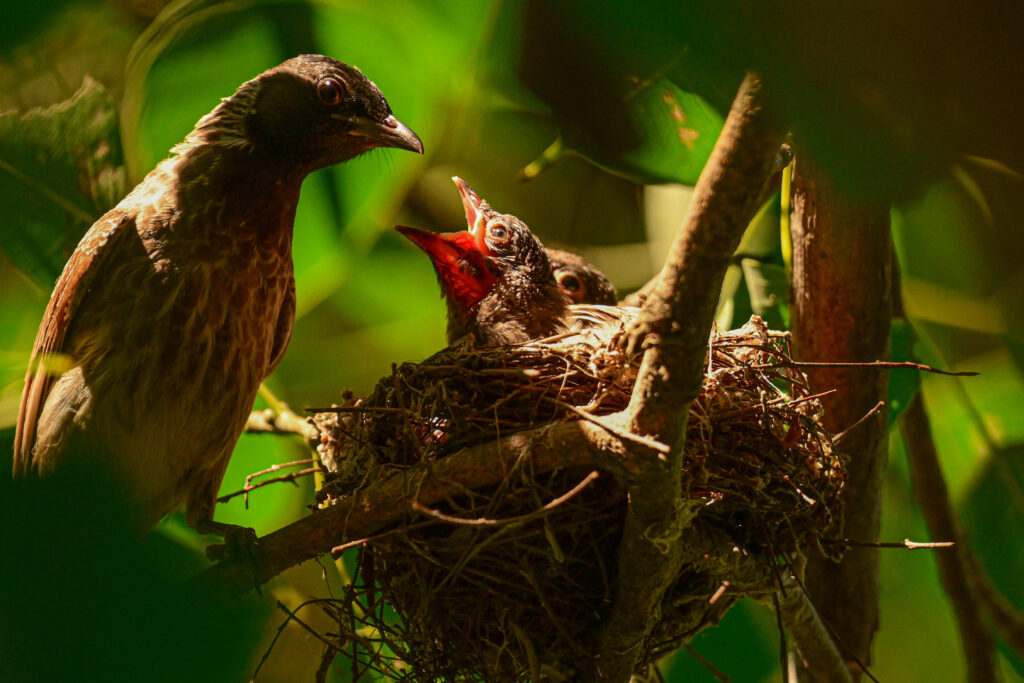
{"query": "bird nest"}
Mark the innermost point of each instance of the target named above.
(511, 583)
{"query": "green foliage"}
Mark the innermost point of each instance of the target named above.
(639, 91)
(60, 170)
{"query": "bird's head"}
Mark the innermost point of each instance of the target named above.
(311, 110)
(580, 280)
(494, 249)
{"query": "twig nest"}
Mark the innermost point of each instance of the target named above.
(510, 583)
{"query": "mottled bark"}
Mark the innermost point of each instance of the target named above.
(674, 327)
(841, 311)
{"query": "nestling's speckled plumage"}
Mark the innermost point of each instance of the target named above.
(180, 301)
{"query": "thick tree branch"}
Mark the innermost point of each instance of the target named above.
(933, 499)
(390, 499)
(841, 312)
(674, 326)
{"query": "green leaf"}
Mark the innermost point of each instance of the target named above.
(61, 168)
(768, 286)
(903, 384)
(676, 131)
(993, 514)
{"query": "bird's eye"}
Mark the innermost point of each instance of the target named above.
(497, 232)
(330, 91)
(569, 283)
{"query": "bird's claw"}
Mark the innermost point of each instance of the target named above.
(239, 541)
(638, 336)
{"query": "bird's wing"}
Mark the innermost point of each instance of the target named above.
(44, 365)
(593, 315)
(283, 331)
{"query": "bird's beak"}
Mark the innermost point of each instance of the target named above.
(388, 133)
(459, 264)
(476, 220)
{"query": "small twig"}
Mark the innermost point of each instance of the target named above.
(280, 630)
(436, 514)
(839, 437)
(783, 646)
(339, 549)
(359, 409)
(316, 634)
(872, 365)
(653, 444)
(906, 544)
(718, 675)
(716, 596)
(273, 480)
(790, 402)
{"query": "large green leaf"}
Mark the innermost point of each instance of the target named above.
(676, 131)
(903, 384)
(993, 515)
(60, 170)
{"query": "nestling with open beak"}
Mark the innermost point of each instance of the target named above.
(495, 277)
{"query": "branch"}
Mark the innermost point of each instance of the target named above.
(392, 498)
(285, 422)
(813, 641)
(673, 326)
(841, 311)
(932, 497)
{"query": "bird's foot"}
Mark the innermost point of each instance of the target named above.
(640, 333)
(239, 541)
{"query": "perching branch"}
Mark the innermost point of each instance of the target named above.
(674, 326)
(391, 499)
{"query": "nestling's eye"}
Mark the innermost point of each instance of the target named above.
(330, 91)
(497, 232)
(569, 283)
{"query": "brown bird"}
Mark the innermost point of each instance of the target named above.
(495, 277)
(179, 301)
(580, 280)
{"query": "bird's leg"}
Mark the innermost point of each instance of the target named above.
(238, 540)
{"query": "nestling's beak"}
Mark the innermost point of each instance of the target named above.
(476, 219)
(459, 264)
(388, 133)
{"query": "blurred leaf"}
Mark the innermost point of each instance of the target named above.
(725, 313)
(884, 99)
(993, 515)
(747, 622)
(903, 384)
(768, 286)
(767, 282)
(677, 132)
(626, 118)
(920, 641)
(85, 599)
(60, 170)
